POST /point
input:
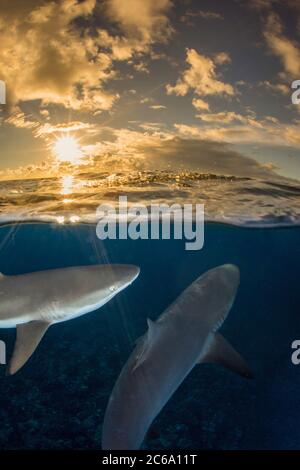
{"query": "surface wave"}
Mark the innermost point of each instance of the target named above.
(227, 199)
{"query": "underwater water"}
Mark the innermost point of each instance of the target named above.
(58, 399)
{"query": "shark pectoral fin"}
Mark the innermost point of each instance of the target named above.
(28, 338)
(221, 352)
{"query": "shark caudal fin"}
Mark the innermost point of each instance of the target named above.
(221, 352)
(28, 338)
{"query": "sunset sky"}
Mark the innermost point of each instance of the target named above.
(198, 85)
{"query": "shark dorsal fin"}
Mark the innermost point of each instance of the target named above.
(28, 337)
(219, 351)
(152, 331)
(148, 341)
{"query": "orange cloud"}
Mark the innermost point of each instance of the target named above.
(287, 50)
(145, 20)
(44, 57)
(200, 77)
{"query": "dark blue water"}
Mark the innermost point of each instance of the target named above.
(57, 401)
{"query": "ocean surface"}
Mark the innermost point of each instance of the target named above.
(58, 399)
(74, 198)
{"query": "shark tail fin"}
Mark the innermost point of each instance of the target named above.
(28, 338)
(221, 352)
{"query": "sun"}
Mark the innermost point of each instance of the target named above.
(67, 149)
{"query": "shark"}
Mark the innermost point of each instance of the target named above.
(184, 335)
(33, 302)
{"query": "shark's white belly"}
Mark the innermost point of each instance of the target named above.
(63, 316)
(53, 313)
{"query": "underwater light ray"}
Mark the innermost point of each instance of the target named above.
(12, 231)
(127, 337)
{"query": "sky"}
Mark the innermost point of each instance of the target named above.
(178, 85)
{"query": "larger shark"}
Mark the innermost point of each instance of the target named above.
(184, 335)
(32, 302)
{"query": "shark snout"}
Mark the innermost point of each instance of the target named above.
(125, 274)
(232, 273)
(114, 277)
(131, 272)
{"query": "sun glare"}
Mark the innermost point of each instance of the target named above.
(67, 149)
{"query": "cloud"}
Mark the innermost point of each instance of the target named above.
(189, 17)
(50, 53)
(163, 151)
(153, 151)
(48, 129)
(269, 4)
(228, 117)
(200, 105)
(271, 166)
(45, 113)
(287, 50)
(292, 134)
(281, 88)
(190, 148)
(44, 57)
(20, 120)
(158, 107)
(201, 155)
(262, 4)
(244, 131)
(141, 66)
(151, 126)
(140, 24)
(144, 20)
(120, 48)
(222, 58)
(200, 77)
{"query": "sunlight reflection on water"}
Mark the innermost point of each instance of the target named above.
(75, 198)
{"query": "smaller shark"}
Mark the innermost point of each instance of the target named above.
(32, 302)
(184, 335)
